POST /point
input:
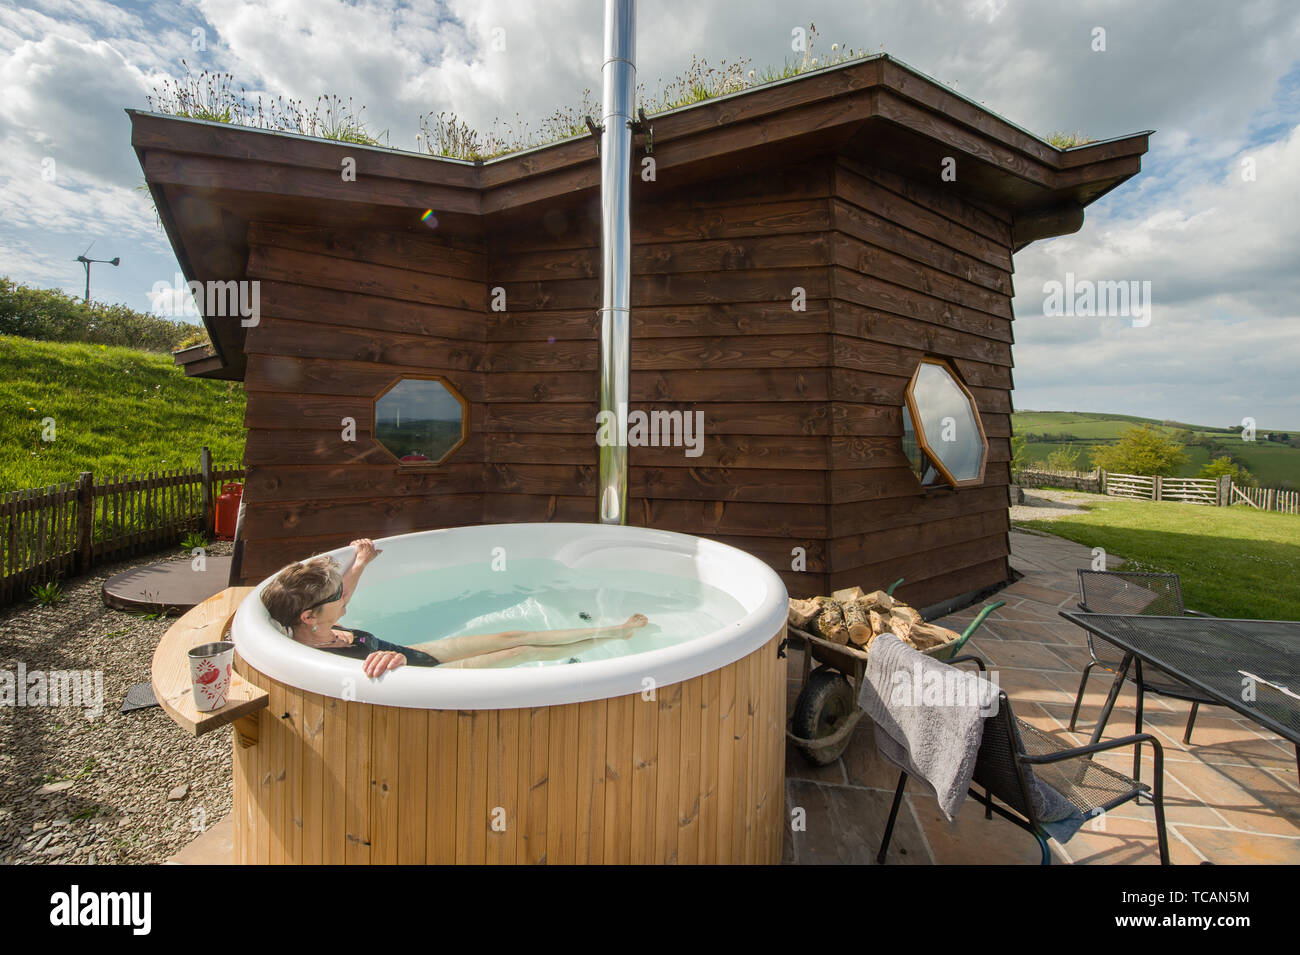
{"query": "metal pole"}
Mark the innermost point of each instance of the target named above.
(618, 85)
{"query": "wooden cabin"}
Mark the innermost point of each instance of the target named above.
(803, 249)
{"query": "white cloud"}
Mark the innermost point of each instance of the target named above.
(1207, 76)
(1225, 330)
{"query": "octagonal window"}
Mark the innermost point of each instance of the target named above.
(943, 437)
(421, 420)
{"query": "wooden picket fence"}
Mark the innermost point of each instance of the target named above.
(1214, 491)
(1268, 498)
(1147, 487)
(1138, 486)
(51, 532)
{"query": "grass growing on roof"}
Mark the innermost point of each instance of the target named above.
(1231, 561)
(211, 96)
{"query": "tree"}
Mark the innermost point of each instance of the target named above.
(1063, 459)
(1225, 465)
(1141, 449)
(1019, 454)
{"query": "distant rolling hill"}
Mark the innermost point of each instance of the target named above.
(1274, 464)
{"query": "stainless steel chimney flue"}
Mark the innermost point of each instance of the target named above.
(618, 99)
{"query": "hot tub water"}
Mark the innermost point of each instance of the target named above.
(541, 594)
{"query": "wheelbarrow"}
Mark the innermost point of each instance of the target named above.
(826, 711)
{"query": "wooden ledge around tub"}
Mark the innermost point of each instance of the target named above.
(208, 622)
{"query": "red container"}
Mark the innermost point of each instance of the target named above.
(228, 510)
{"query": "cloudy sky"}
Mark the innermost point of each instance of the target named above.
(1213, 221)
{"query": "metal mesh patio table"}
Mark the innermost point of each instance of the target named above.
(1250, 666)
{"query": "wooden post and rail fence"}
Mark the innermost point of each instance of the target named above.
(1219, 492)
(65, 529)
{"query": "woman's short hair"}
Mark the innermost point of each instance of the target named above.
(298, 587)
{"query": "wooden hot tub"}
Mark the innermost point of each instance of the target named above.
(410, 769)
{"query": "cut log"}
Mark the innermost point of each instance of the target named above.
(900, 625)
(847, 595)
(877, 600)
(879, 622)
(926, 636)
(855, 613)
(803, 612)
(830, 623)
(860, 635)
(907, 613)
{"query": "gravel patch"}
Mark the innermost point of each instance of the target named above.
(1044, 505)
(95, 789)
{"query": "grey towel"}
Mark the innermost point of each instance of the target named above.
(929, 716)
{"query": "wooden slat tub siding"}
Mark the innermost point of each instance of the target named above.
(534, 766)
(502, 786)
(358, 784)
(422, 786)
(710, 772)
(690, 782)
(592, 745)
(334, 798)
(668, 774)
(441, 790)
(385, 790)
(561, 786)
(618, 778)
(314, 783)
(645, 771)
(728, 716)
(294, 782)
(473, 740)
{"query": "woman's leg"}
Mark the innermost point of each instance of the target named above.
(450, 649)
(513, 656)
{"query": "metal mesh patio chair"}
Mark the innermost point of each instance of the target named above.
(1011, 751)
(1124, 592)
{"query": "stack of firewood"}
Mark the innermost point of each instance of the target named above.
(852, 618)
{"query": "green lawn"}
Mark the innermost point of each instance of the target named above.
(115, 410)
(1232, 561)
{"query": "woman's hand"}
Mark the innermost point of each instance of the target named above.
(381, 661)
(366, 551)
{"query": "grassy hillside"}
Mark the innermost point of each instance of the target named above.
(1273, 464)
(115, 410)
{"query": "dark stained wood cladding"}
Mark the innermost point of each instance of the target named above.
(801, 453)
(917, 271)
(345, 314)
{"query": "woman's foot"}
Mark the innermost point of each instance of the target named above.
(633, 624)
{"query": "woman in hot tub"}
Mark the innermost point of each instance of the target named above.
(309, 597)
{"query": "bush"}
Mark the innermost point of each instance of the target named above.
(1225, 465)
(1019, 454)
(1141, 449)
(1063, 459)
(54, 316)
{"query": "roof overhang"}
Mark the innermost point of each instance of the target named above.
(210, 180)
